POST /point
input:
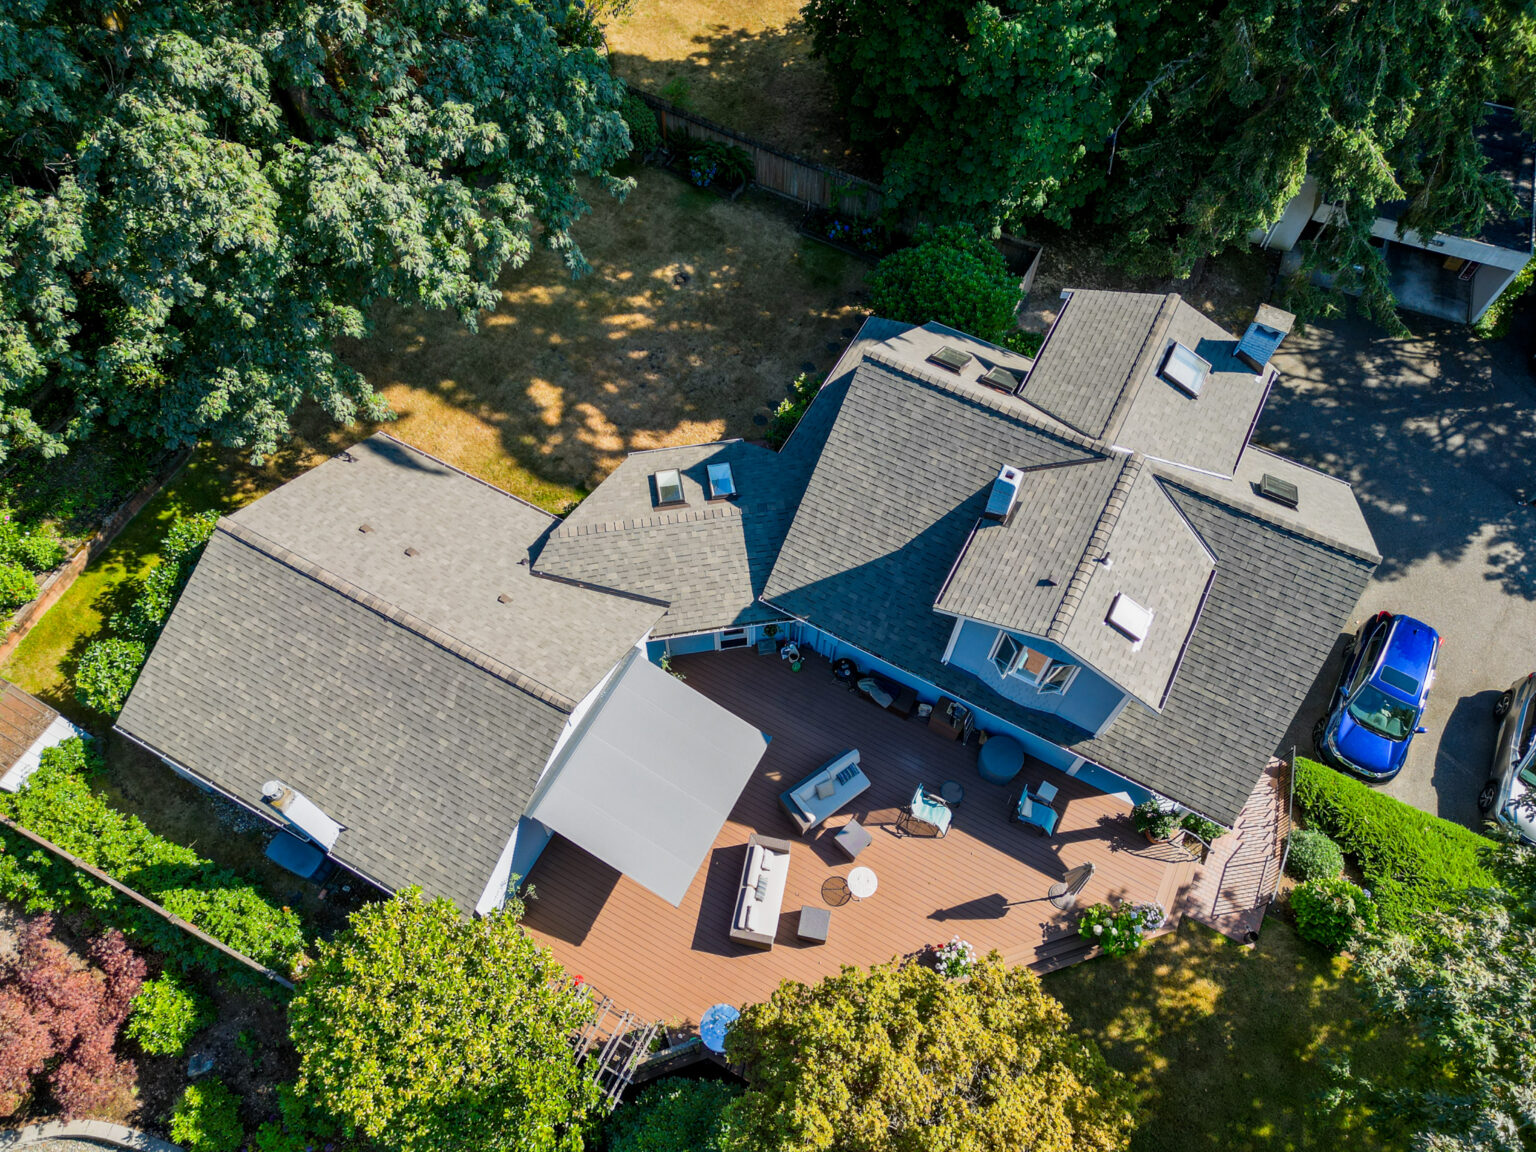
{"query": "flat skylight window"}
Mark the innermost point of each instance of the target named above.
(1278, 490)
(951, 358)
(722, 485)
(1001, 379)
(669, 487)
(1184, 370)
(1129, 617)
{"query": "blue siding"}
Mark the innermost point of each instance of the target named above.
(686, 645)
(1087, 703)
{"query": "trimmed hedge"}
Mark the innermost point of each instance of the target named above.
(1411, 861)
(58, 804)
(1313, 856)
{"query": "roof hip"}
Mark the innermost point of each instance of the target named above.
(1093, 551)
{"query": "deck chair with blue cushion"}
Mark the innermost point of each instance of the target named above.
(929, 810)
(1034, 809)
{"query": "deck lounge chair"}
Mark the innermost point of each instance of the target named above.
(926, 809)
(1033, 808)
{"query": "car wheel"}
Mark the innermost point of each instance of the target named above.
(1488, 795)
(1317, 735)
(1501, 705)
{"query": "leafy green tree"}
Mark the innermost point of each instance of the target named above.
(425, 1032)
(1377, 101)
(951, 275)
(900, 1059)
(1466, 984)
(979, 112)
(197, 198)
(672, 1115)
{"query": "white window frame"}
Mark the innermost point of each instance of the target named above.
(728, 639)
(1014, 666)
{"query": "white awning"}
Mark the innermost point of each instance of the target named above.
(649, 777)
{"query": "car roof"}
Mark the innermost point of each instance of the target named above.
(1410, 648)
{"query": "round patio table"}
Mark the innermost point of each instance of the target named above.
(713, 1024)
(1000, 760)
(862, 883)
(952, 792)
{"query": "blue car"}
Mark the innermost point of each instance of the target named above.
(1388, 669)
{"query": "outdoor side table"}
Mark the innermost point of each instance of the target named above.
(713, 1025)
(1000, 760)
(952, 792)
(852, 838)
(862, 883)
(814, 924)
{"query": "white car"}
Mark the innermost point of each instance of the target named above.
(1510, 794)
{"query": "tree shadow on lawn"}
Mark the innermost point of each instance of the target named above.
(1434, 431)
(1228, 1045)
(697, 317)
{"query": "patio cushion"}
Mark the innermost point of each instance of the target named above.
(772, 861)
(744, 903)
(754, 859)
(825, 789)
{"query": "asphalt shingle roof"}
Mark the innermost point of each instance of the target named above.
(709, 559)
(1275, 609)
(416, 698)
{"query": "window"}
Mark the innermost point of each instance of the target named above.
(734, 638)
(1184, 370)
(950, 358)
(722, 485)
(669, 487)
(1012, 658)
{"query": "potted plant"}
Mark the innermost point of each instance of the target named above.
(955, 959)
(1154, 821)
(1207, 830)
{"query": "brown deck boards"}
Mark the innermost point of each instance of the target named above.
(986, 881)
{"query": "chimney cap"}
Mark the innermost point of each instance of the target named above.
(1277, 318)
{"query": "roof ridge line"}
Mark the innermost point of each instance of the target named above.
(1156, 334)
(993, 404)
(396, 615)
(718, 510)
(1254, 512)
(1097, 540)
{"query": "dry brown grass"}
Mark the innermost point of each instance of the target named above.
(746, 65)
(567, 376)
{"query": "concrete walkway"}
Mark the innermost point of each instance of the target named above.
(1436, 432)
(68, 1134)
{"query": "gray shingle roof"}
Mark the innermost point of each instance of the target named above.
(1275, 609)
(709, 560)
(1094, 355)
(263, 672)
(414, 698)
(890, 504)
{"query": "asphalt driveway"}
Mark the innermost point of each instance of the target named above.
(1437, 433)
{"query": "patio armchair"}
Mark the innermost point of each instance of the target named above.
(925, 808)
(1034, 809)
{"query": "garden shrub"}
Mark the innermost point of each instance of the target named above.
(1118, 931)
(670, 1116)
(1313, 856)
(299, 1127)
(951, 275)
(62, 1018)
(35, 549)
(1333, 913)
(58, 804)
(715, 160)
(207, 1118)
(156, 593)
(106, 674)
(1409, 859)
(17, 586)
(166, 1014)
(789, 411)
(644, 134)
(1207, 830)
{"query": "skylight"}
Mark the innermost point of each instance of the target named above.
(669, 487)
(1129, 618)
(1001, 379)
(951, 358)
(1280, 491)
(722, 485)
(1184, 370)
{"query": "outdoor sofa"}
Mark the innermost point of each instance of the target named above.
(755, 918)
(824, 791)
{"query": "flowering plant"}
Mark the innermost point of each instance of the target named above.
(1116, 930)
(956, 958)
(1153, 915)
(701, 170)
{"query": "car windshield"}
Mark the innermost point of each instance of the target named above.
(1383, 715)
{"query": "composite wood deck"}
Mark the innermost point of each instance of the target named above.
(986, 881)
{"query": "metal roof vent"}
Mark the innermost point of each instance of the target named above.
(1004, 494)
(301, 813)
(1184, 370)
(1280, 491)
(412, 552)
(1129, 618)
(1001, 379)
(365, 528)
(950, 358)
(722, 485)
(1270, 326)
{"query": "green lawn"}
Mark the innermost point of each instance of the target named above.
(1227, 1045)
(213, 478)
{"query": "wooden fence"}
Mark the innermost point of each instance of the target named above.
(774, 170)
